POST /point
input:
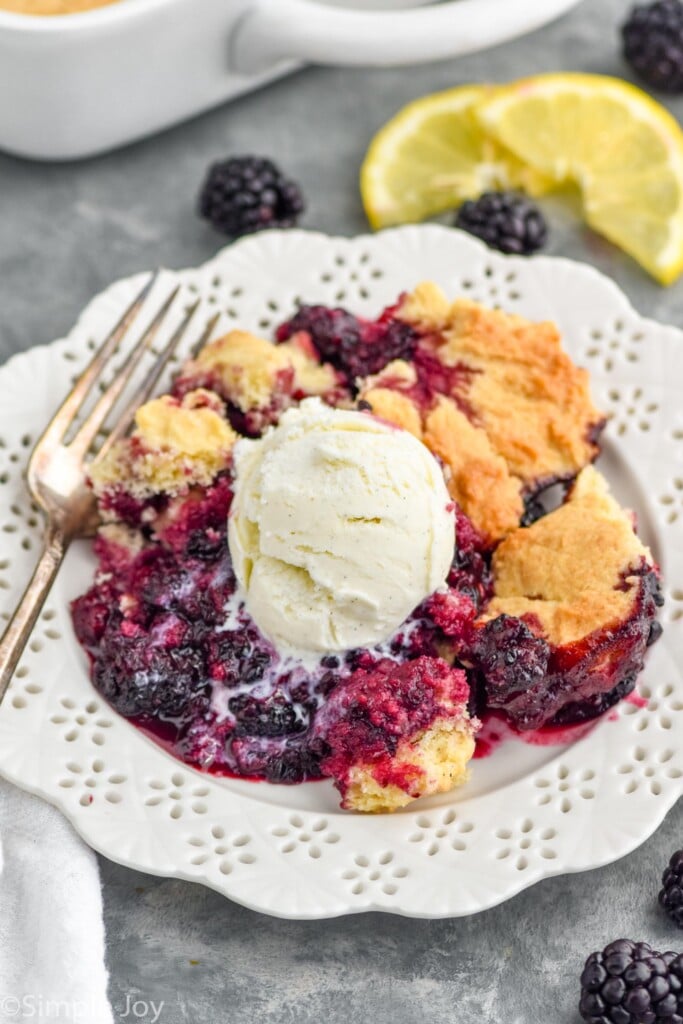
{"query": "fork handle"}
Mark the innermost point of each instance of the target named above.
(21, 624)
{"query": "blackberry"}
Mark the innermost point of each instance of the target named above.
(294, 764)
(505, 221)
(249, 193)
(357, 348)
(652, 38)
(510, 657)
(534, 509)
(272, 716)
(203, 740)
(141, 676)
(91, 613)
(206, 545)
(597, 704)
(630, 983)
(671, 894)
(235, 656)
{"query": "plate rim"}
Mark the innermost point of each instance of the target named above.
(252, 249)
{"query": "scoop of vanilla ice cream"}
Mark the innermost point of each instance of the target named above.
(340, 526)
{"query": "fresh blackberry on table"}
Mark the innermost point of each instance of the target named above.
(506, 221)
(249, 193)
(671, 893)
(653, 43)
(630, 983)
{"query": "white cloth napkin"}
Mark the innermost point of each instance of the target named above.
(51, 930)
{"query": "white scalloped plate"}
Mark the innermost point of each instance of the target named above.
(528, 812)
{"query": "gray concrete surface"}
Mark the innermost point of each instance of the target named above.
(65, 233)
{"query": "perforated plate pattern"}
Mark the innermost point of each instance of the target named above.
(527, 812)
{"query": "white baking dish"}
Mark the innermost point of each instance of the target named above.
(76, 85)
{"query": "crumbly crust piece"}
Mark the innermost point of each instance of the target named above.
(121, 536)
(394, 732)
(569, 573)
(176, 444)
(434, 762)
(526, 393)
(390, 404)
(252, 373)
(243, 368)
(311, 377)
(478, 477)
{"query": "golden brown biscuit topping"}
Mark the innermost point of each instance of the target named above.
(436, 761)
(477, 477)
(246, 367)
(311, 377)
(480, 480)
(525, 392)
(495, 397)
(175, 444)
(252, 373)
(569, 571)
(192, 427)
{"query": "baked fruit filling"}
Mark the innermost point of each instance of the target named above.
(392, 733)
(177, 453)
(545, 623)
(574, 602)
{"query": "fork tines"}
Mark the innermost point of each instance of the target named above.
(67, 414)
(143, 392)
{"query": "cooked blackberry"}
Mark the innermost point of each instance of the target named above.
(598, 704)
(585, 618)
(236, 656)
(356, 347)
(205, 544)
(533, 510)
(630, 983)
(154, 673)
(671, 893)
(512, 659)
(653, 43)
(203, 740)
(249, 193)
(470, 568)
(505, 221)
(91, 613)
(273, 716)
(294, 764)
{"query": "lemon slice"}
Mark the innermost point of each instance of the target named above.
(623, 150)
(432, 155)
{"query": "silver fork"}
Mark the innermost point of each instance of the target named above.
(56, 472)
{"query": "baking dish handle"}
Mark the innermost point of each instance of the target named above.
(272, 31)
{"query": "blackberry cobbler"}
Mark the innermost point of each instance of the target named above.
(327, 557)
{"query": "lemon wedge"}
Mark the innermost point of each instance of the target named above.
(622, 149)
(432, 155)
